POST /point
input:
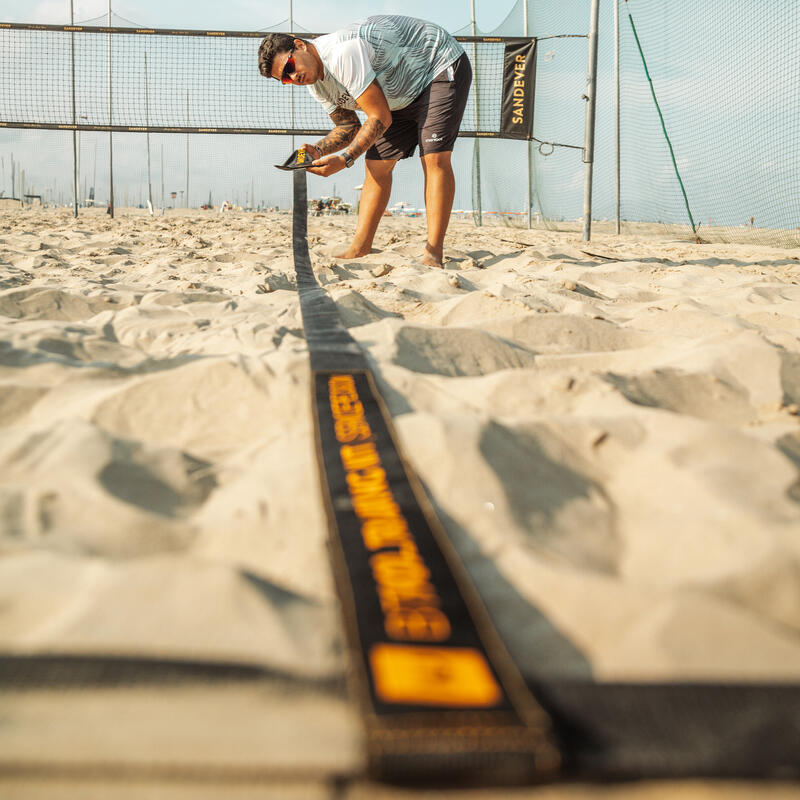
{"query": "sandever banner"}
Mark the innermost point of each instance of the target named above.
(519, 76)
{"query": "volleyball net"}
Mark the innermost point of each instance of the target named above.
(182, 81)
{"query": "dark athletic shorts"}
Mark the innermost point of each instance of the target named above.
(432, 120)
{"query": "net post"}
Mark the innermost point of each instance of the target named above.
(590, 97)
(187, 151)
(529, 146)
(291, 95)
(147, 135)
(476, 153)
(163, 200)
(618, 151)
(110, 133)
(74, 114)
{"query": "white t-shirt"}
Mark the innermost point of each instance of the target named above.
(404, 54)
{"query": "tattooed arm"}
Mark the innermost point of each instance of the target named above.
(370, 132)
(347, 125)
(379, 118)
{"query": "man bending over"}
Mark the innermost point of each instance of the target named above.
(411, 79)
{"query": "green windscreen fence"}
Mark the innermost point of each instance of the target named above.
(721, 109)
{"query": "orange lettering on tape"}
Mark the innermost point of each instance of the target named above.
(433, 676)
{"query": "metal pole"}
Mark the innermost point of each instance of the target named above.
(187, 151)
(110, 134)
(590, 97)
(163, 199)
(616, 112)
(477, 145)
(529, 146)
(291, 94)
(74, 113)
(147, 124)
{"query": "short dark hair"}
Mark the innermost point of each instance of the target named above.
(270, 46)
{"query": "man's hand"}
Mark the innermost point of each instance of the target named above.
(327, 165)
(312, 151)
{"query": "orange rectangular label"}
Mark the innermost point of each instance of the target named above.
(433, 676)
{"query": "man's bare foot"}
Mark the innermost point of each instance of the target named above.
(355, 252)
(431, 259)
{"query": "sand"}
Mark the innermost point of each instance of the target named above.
(610, 432)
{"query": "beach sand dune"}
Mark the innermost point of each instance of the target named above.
(609, 431)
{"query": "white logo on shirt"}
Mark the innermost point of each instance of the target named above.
(435, 138)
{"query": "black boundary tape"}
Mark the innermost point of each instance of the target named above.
(440, 697)
(614, 731)
(604, 730)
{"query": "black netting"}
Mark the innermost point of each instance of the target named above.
(169, 81)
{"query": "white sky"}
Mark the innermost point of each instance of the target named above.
(251, 14)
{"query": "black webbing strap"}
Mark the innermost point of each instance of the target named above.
(627, 731)
(441, 699)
